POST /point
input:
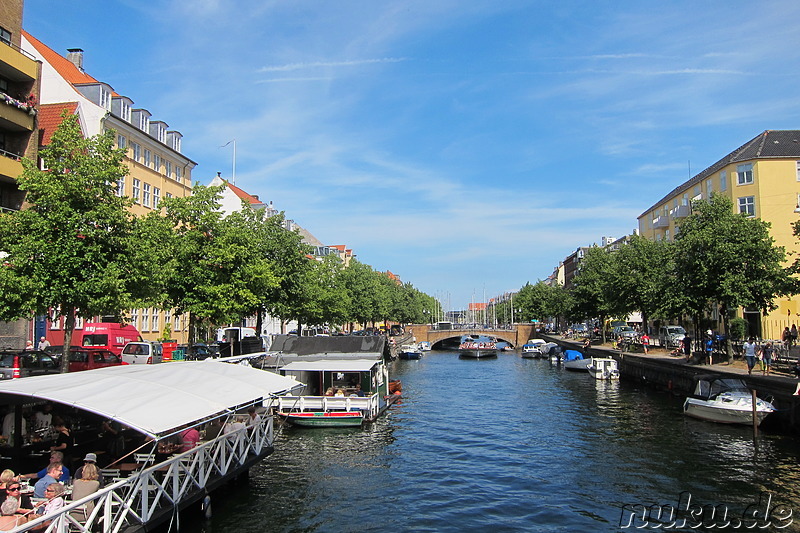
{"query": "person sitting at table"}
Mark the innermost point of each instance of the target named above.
(329, 392)
(339, 392)
(189, 437)
(6, 477)
(53, 474)
(213, 429)
(55, 457)
(358, 392)
(88, 484)
(89, 460)
(253, 418)
(9, 519)
(54, 502)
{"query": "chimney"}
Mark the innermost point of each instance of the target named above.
(75, 56)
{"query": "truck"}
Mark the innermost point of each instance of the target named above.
(111, 336)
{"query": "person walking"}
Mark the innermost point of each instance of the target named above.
(645, 342)
(766, 358)
(709, 347)
(750, 349)
(794, 334)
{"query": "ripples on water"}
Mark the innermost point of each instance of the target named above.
(506, 444)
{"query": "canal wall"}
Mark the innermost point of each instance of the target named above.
(674, 375)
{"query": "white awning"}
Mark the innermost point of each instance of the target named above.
(331, 365)
(155, 399)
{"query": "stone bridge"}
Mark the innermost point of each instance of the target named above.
(516, 336)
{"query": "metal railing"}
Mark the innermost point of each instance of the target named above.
(160, 488)
(370, 404)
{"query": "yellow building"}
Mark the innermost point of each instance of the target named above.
(762, 179)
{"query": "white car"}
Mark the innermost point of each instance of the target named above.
(142, 353)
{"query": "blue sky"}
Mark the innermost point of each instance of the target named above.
(467, 146)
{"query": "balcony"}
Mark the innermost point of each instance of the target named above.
(10, 165)
(16, 115)
(17, 66)
(682, 211)
(661, 222)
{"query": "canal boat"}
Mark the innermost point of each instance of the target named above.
(335, 385)
(477, 347)
(725, 400)
(574, 360)
(410, 351)
(603, 368)
(324, 419)
(425, 346)
(533, 348)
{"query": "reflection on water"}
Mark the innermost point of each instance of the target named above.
(506, 444)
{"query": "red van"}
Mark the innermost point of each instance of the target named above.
(110, 336)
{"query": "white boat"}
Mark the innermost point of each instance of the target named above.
(425, 346)
(603, 368)
(410, 351)
(533, 348)
(725, 400)
(574, 360)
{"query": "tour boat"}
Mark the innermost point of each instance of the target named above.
(603, 368)
(472, 348)
(725, 400)
(318, 419)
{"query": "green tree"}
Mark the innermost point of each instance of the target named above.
(592, 290)
(69, 252)
(729, 260)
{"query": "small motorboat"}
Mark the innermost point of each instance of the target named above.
(533, 348)
(603, 368)
(322, 419)
(425, 346)
(573, 360)
(410, 351)
(725, 400)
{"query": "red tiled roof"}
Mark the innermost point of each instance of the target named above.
(64, 66)
(243, 195)
(50, 118)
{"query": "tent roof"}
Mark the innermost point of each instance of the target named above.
(155, 399)
(331, 365)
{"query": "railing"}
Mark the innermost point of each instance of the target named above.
(158, 489)
(369, 404)
(10, 155)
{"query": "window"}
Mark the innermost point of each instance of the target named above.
(137, 151)
(3, 85)
(178, 173)
(157, 162)
(147, 157)
(5, 36)
(709, 188)
(747, 204)
(744, 174)
(135, 318)
(125, 110)
(156, 197)
(105, 98)
(121, 186)
(144, 122)
(177, 325)
(168, 168)
(146, 195)
(798, 170)
(145, 319)
(723, 180)
(168, 195)
(121, 142)
(137, 188)
(154, 320)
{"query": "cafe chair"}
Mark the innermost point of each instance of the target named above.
(144, 458)
(110, 473)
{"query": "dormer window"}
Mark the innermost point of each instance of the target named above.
(141, 119)
(158, 129)
(121, 106)
(144, 123)
(105, 98)
(174, 140)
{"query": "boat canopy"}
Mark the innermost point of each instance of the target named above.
(571, 355)
(709, 386)
(154, 399)
(331, 365)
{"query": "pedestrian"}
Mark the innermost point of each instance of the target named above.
(709, 347)
(687, 347)
(794, 335)
(28, 346)
(750, 349)
(786, 337)
(43, 344)
(766, 358)
(645, 342)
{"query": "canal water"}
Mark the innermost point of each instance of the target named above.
(512, 444)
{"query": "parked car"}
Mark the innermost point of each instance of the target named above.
(89, 358)
(143, 352)
(201, 351)
(626, 332)
(670, 336)
(23, 364)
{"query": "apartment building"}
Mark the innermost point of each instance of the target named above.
(762, 179)
(157, 167)
(19, 97)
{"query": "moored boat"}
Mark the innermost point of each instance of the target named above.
(533, 348)
(574, 360)
(320, 419)
(410, 351)
(725, 400)
(425, 346)
(603, 368)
